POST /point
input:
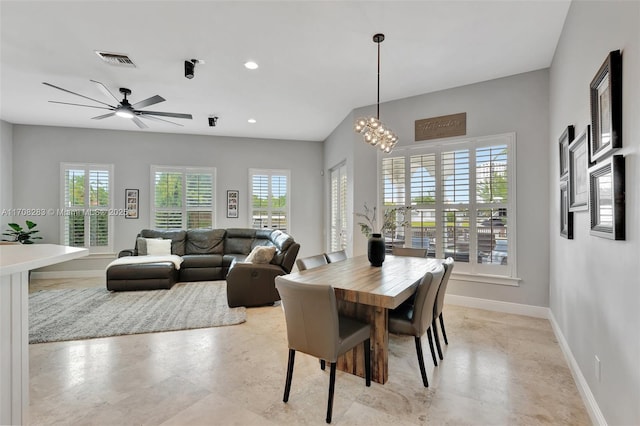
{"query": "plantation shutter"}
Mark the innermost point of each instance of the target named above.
(87, 213)
(455, 213)
(338, 197)
(269, 204)
(183, 198)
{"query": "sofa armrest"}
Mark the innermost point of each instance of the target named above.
(127, 252)
(250, 284)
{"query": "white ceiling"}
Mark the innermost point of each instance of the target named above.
(317, 58)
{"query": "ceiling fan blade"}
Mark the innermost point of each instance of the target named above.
(100, 117)
(166, 114)
(105, 90)
(149, 101)
(151, 117)
(139, 123)
(88, 106)
(77, 94)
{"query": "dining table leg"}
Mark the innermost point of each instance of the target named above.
(353, 360)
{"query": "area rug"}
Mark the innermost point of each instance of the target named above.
(74, 314)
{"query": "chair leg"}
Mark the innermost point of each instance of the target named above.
(367, 361)
(436, 337)
(322, 364)
(423, 371)
(433, 352)
(332, 385)
(287, 386)
(444, 333)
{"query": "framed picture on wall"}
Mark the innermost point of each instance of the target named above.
(564, 141)
(606, 108)
(566, 216)
(232, 203)
(131, 197)
(578, 166)
(607, 200)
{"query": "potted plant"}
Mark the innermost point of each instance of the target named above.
(21, 235)
(390, 222)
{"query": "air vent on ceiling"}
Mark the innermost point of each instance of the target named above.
(116, 59)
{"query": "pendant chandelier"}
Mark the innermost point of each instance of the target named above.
(373, 131)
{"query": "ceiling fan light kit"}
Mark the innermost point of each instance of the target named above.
(124, 108)
(373, 131)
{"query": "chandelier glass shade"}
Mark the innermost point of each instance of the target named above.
(373, 131)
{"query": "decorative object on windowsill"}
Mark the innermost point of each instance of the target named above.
(21, 235)
(390, 222)
(373, 131)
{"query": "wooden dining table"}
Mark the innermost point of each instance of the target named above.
(368, 293)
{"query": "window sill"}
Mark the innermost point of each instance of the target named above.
(486, 279)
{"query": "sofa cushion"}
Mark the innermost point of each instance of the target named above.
(201, 261)
(158, 247)
(205, 241)
(261, 254)
(177, 237)
(239, 241)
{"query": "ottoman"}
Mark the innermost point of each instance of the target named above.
(141, 276)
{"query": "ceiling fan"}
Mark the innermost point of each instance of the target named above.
(124, 108)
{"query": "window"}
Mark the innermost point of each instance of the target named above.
(182, 197)
(338, 208)
(269, 204)
(87, 206)
(462, 198)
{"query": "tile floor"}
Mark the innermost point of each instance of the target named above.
(498, 369)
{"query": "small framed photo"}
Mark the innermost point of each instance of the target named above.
(566, 216)
(564, 141)
(606, 108)
(578, 166)
(232, 203)
(131, 197)
(606, 206)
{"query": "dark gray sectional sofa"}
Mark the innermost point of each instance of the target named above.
(209, 255)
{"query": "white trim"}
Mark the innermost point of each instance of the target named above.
(68, 274)
(486, 279)
(498, 306)
(589, 400)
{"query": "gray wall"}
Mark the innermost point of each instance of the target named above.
(594, 282)
(41, 150)
(513, 104)
(6, 172)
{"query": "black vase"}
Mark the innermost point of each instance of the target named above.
(375, 249)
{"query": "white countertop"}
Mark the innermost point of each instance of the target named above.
(25, 257)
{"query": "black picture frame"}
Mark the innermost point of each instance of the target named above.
(606, 108)
(564, 141)
(132, 203)
(566, 216)
(233, 203)
(578, 168)
(607, 198)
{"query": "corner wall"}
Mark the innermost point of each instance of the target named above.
(132, 153)
(6, 172)
(594, 282)
(518, 104)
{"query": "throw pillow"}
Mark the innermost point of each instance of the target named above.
(261, 254)
(141, 244)
(158, 247)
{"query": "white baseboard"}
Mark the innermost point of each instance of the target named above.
(597, 418)
(68, 274)
(498, 306)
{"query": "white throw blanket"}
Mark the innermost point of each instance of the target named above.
(128, 260)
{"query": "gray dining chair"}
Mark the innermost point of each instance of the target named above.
(336, 256)
(439, 305)
(314, 327)
(311, 262)
(409, 251)
(416, 319)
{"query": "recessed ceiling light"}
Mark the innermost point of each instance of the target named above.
(252, 120)
(250, 65)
